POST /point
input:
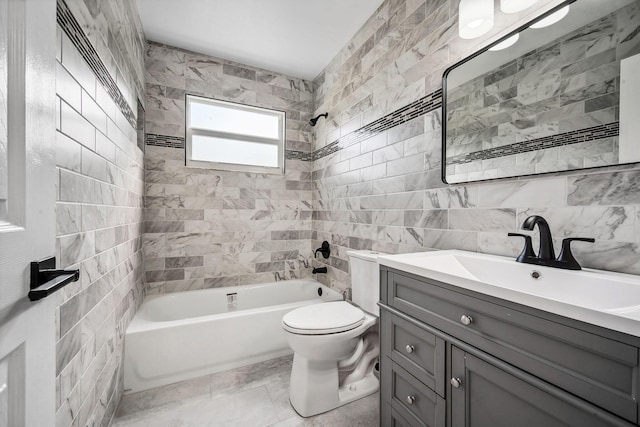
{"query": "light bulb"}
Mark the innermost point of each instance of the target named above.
(475, 18)
(552, 19)
(513, 6)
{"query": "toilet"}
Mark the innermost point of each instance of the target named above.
(336, 344)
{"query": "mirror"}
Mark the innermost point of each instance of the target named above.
(561, 97)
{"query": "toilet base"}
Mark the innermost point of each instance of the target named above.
(325, 393)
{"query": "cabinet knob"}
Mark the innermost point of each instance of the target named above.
(466, 320)
(409, 348)
(411, 400)
(456, 382)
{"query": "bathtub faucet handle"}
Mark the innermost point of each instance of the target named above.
(325, 250)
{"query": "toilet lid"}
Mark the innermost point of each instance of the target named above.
(323, 318)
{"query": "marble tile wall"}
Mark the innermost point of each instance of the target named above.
(385, 192)
(207, 228)
(99, 231)
(115, 31)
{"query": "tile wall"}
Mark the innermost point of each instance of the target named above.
(98, 212)
(115, 31)
(385, 193)
(207, 228)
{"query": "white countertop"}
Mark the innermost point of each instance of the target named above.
(607, 299)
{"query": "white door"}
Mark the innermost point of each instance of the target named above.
(27, 209)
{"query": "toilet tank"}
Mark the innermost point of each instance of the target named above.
(365, 280)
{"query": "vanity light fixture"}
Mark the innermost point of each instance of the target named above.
(552, 19)
(506, 43)
(475, 18)
(514, 6)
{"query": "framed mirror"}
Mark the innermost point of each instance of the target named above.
(560, 93)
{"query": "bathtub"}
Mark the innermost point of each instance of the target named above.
(178, 336)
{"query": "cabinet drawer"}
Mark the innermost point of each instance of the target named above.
(418, 351)
(414, 402)
(600, 370)
(390, 417)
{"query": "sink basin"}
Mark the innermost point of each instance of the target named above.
(607, 299)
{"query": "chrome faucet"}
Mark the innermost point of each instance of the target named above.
(546, 255)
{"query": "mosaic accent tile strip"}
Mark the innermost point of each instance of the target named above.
(401, 115)
(178, 142)
(298, 155)
(72, 29)
(410, 111)
(567, 138)
(164, 140)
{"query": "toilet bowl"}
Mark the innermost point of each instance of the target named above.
(336, 344)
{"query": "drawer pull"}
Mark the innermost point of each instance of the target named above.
(409, 348)
(411, 400)
(456, 382)
(466, 320)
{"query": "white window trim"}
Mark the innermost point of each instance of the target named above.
(190, 132)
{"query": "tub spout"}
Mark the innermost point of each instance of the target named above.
(319, 270)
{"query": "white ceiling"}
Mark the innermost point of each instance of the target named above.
(294, 37)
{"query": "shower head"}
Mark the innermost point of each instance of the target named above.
(313, 121)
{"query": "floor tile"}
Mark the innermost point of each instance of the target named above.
(171, 395)
(247, 408)
(255, 396)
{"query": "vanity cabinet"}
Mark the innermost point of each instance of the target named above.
(452, 357)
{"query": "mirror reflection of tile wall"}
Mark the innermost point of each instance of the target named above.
(550, 109)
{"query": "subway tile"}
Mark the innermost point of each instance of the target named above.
(76, 127)
(537, 193)
(405, 165)
(93, 165)
(482, 219)
(426, 218)
(68, 153)
(183, 262)
(76, 65)
(615, 223)
(617, 188)
(67, 88)
(93, 113)
(68, 218)
(76, 247)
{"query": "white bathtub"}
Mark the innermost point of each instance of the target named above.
(178, 336)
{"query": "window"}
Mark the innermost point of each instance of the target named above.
(224, 135)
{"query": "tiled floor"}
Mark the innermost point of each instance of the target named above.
(251, 396)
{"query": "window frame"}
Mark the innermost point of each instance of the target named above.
(280, 142)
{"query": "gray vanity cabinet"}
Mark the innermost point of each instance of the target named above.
(453, 358)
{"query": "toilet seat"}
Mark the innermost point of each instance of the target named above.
(324, 318)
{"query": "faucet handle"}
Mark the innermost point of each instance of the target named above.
(565, 254)
(527, 251)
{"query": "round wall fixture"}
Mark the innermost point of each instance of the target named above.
(475, 18)
(514, 6)
(552, 19)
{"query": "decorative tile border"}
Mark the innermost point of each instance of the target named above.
(298, 155)
(567, 138)
(410, 111)
(164, 140)
(72, 29)
(178, 142)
